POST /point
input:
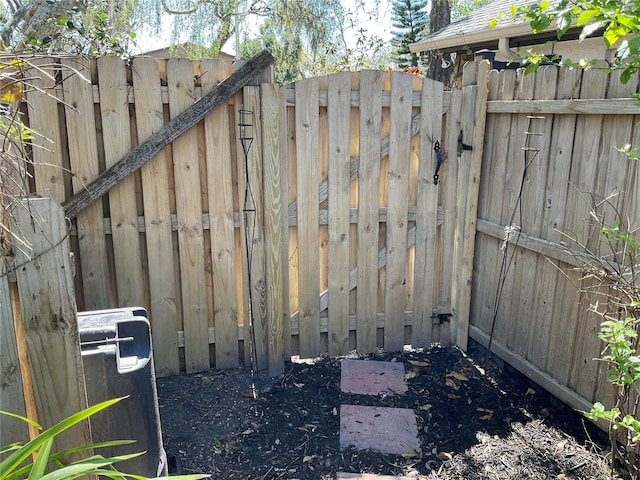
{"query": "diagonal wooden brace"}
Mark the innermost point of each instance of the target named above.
(163, 137)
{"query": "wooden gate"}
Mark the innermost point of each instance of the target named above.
(197, 195)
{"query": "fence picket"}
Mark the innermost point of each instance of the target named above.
(83, 156)
(43, 118)
(276, 226)
(123, 211)
(157, 220)
(368, 201)
(427, 215)
(221, 222)
(339, 92)
(397, 202)
(308, 175)
(180, 79)
(48, 309)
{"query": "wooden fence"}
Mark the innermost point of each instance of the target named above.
(325, 218)
(551, 157)
(314, 203)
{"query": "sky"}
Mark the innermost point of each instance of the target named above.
(147, 42)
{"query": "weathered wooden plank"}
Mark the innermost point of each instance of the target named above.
(490, 200)
(130, 281)
(551, 280)
(471, 162)
(11, 395)
(189, 213)
(171, 131)
(520, 266)
(617, 106)
(447, 198)
(427, 214)
(83, 157)
(157, 220)
(339, 112)
(258, 285)
(48, 310)
(220, 188)
(307, 152)
(616, 134)
(584, 173)
(43, 119)
(533, 328)
(397, 201)
(368, 191)
(275, 161)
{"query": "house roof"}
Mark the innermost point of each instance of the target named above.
(473, 31)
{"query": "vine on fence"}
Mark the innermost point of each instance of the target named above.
(612, 269)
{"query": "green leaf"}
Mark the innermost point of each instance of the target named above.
(15, 459)
(585, 16)
(24, 419)
(41, 461)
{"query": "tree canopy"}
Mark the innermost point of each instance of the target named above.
(410, 19)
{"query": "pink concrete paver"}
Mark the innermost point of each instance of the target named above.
(369, 476)
(382, 429)
(368, 377)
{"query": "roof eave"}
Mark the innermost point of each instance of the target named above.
(462, 39)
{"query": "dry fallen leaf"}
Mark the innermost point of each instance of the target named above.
(308, 458)
(410, 375)
(247, 432)
(451, 384)
(489, 413)
(426, 407)
(418, 363)
(459, 376)
(299, 385)
(445, 456)
(530, 391)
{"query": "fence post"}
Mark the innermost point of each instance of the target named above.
(474, 115)
(11, 389)
(44, 275)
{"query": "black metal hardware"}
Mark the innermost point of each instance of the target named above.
(438, 151)
(442, 317)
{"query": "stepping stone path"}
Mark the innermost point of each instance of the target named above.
(382, 429)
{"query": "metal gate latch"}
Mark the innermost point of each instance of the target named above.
(438, 151)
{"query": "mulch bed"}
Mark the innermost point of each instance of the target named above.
(473, 424)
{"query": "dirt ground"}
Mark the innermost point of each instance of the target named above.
(473, 424)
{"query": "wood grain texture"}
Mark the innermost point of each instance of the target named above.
(220, 186)
(424, 302)
(307, 155)
(42, 105)
(123, 211)
(275, 161)
(397, 202)
(171, 131)
(471, 162)
(368, 191)
(339, 121)
(48, 310)
(157, 220)
(189, 213)
(83, 158)
(255, 225)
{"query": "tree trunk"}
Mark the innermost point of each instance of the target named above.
(440, 65)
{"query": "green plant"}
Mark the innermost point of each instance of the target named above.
(611, 271)
(46, 465)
